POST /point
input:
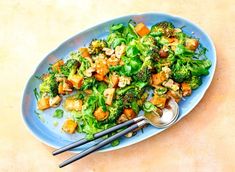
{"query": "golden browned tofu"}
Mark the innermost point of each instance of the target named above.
(60, 88)
(44, 103)
(100, 115)
(69, 126)
(141, 29)
(99, 77)
(56, 66)
(76, 80)
(101, 66)
(113, 61)
(186, 89)
(72, 104)
(84, 52)
(176, 95)
(158, 78)
(159, 101)
(130, 113)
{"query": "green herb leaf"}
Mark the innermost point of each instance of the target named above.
(132, 51)
(115, 142)
(58, 113)
(149, 107)
(117, 27)
(40, 116)
(36, 94)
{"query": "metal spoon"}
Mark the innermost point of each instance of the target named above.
(168, 117)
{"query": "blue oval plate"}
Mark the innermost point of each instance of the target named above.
(42, 126)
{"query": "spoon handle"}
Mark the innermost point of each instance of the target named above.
(96, 136)
(102, 143)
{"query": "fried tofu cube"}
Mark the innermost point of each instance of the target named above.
(159, 101)
(186, 89)
(56, 66)
(76, 80)
(69, 126)
(84, 52)
(130, 113)
(100, 115)
(72, 104)
(176, 95)
(157, 79)
(141, 29)
(99, 77)
(44, 103)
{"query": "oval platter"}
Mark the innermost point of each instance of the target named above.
(43, 128)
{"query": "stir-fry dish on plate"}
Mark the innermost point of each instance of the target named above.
(135, 68)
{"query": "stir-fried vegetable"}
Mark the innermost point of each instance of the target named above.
(111, 78)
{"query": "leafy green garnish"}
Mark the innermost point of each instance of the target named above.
(118, 27)
(58, 113)
(40, 116)
(36, 94)
(115, 142)
(149, 107)
(49, 86)
(132, 51)
(161, 90)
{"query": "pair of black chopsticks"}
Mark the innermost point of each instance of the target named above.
(101, 143)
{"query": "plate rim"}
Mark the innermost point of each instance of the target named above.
(212, 72)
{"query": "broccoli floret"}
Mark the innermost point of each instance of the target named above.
(122, 91)
(96, 46)
(163, 28)
(181, 50)
(115, 110)
(70, 66)
(148, 41)
(115, 39)
(129, 97)
(195, 82)
(199, 67)
(149, 107)
(129, 94)
(117, 27)
(144, 73)
(187, 67)
(180, 72)
(88, 83)
(49, 86)
(101, 86)
(181, 37)
(160, 90)
(154, 53)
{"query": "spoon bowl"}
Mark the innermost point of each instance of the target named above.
(167, 118)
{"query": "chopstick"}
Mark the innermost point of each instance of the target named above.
(96, 136)
(102, 143)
